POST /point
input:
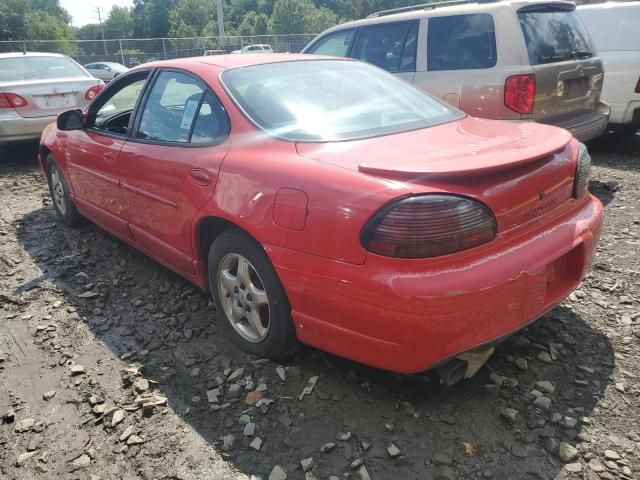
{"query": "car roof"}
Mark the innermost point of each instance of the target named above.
(30, 54)
(432, 9)
(609, 5)
(228, 61)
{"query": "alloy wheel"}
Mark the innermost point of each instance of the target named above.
(57, 189)
(244, 298)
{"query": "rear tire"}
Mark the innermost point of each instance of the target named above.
(63, 205)
(249, 297)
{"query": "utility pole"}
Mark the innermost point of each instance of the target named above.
(220, 22)
(104, 44)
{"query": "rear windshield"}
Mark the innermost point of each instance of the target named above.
(553, 34)
(330, 100)
(38, 68)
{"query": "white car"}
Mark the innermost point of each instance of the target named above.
(106, 71)
(615, 30)
(259, 48)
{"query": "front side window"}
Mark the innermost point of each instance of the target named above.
(171, 108)
(335, 44)
(112, 110)
(331, 100)
(553, 34)
(461, 42)
(391, 46)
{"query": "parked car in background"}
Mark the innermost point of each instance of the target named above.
(134, 62)
(208, 53)
(35, 88)
(106, 71)
(260, 48)
(615, 30)
(508, 60)
(325, 201)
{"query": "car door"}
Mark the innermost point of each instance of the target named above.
(92, 153)
(169, 168)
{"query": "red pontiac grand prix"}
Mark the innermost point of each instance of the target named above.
(324, 201)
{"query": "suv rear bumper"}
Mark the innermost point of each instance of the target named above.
(589, 126)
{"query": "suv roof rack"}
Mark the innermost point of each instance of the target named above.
(426, 6)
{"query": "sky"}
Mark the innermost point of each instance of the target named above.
(84, 11)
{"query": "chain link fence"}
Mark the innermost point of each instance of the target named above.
(133, 51)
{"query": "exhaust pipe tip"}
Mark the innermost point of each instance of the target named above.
(452, 372)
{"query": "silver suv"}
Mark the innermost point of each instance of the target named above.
(509, 60)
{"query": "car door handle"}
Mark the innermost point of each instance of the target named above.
(107, 155)
(200, 176)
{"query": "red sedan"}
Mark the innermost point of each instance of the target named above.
(324, 201)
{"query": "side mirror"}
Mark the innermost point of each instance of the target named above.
(70, 120)
(108, 69)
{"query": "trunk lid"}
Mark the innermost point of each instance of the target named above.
(567, 70)
(51, 96)
(520, 170)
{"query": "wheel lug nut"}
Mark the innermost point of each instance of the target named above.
(249, 297)
(235, 290)
(247, 308)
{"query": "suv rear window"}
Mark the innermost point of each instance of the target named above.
(553, 34)
(391, 46)
(461, 42)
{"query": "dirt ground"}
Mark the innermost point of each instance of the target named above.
(112, 367)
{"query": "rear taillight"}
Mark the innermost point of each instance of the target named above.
(428, 226)
(93, 91)
(583, 172)
(637, 90)
(11, 100)
(520, 92)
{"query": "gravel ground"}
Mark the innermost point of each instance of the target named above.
(112, 367)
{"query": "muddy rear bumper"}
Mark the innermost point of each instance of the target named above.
(589, 126)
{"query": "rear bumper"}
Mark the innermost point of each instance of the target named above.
(15, 129)
(408, 316)
(625, 114)
(589, 126)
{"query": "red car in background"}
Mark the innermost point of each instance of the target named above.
(326, 202)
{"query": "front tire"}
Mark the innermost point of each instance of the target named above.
(249, 297)
(64, 207)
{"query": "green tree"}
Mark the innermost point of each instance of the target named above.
(290, 16)
(119, 23)
(192, 18)
(254, 24)
(299, 16)
(34, 19)
(321, 19)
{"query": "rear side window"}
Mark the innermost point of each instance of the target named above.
(553, 35)
(335, 44)
(391, 46)
(461, 42)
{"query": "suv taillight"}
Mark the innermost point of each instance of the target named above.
(93, 91)
(428, 226)
(583, 172)
(11, 100)
(520, 92)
